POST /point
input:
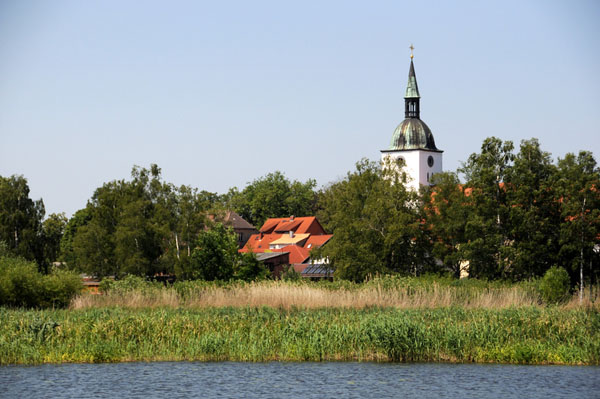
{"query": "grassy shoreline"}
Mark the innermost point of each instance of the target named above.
(524, 335)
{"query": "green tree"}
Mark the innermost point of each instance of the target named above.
(215, 255)
(80, 218)
(123, 227)
(577, 188)
(534, 217)
(272, 196)
(375, 223)
(21, 220)
(143, 226)
(446, 209)
(52, 231)
(487, 228)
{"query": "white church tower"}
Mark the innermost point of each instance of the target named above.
(413, 141)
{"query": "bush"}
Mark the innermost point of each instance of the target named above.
(59, 288)
(127, 284)
(554, 286)
(21, 285)
(249, 268)
(290, 274)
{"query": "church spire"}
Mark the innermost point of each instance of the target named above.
(412, 97)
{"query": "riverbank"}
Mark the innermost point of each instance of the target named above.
(527, 335)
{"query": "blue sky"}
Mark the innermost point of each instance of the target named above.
(221, 93)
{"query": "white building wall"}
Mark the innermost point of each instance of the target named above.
(417, 167)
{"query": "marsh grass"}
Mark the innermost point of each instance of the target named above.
(530, 335)
(403, 293)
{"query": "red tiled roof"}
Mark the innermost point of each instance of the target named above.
(300, 225)
(297, 254)
(315, 241)
(258, 244)
(290, 225)
(269, 225)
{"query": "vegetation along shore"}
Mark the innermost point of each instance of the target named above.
(529, 335)
(427, 319)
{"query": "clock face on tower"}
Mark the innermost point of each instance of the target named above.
(430, 161)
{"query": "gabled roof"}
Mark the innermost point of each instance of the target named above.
(231, 218)
(237, 221)
(299, 225)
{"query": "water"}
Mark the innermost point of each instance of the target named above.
(297, 380)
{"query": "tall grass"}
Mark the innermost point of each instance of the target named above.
(397, 292)
(531, 335)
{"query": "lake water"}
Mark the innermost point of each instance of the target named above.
(297, 380)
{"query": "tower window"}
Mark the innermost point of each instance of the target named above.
(430, 161)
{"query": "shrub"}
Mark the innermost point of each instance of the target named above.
(59, 288)
(21, 285)
(127, 284)
(249, 268)
(290, 274)
(20, 282)
(554, 286)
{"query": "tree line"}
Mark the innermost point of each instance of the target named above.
(513, 215)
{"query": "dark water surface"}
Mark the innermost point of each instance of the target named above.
(297, 380)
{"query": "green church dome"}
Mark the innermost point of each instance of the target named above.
(413, 134)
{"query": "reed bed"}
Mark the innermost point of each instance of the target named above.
(402, 294)
(530, 335)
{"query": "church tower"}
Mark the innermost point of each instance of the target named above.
(412, 140)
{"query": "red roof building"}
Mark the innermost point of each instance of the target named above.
(296, 236)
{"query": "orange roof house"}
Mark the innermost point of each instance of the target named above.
(296, 236)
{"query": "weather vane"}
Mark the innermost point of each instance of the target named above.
(411, 51)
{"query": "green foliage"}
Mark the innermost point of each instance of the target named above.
(21, 220)
(141, 227)
(446, 210)
(248, 268)
(290, 274)
(534, 216)
(215, 255)
(52, 230)
(554, 286)
(273, 196)
(375, 223)
(523, 335)
(578, 188)
(21, 285)
(486, 229)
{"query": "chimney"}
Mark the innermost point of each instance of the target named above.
(292, 218)
(291, 234)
